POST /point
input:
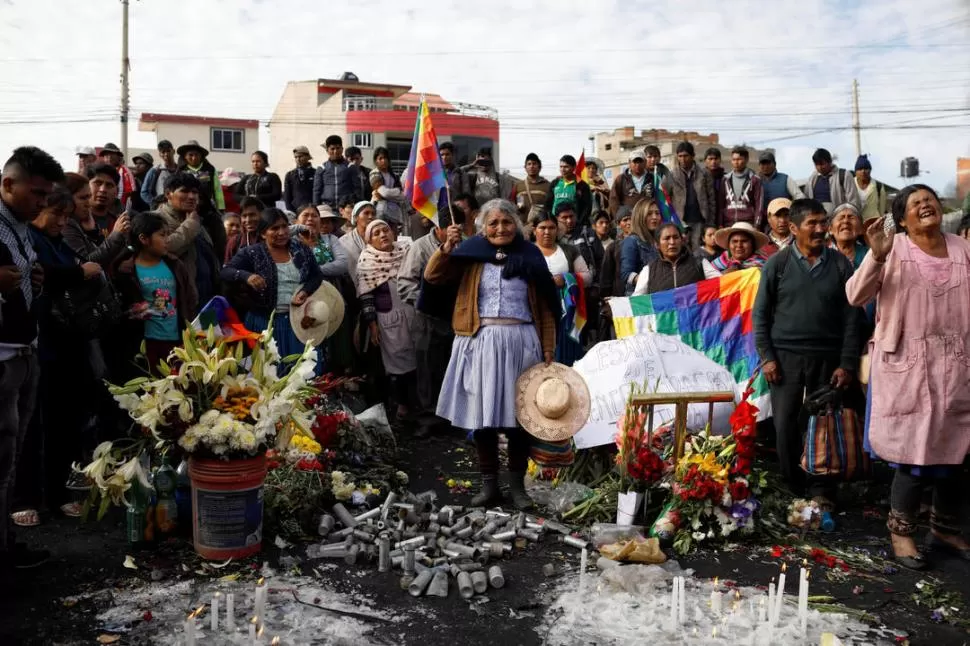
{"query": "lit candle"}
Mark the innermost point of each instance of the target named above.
(715, 599)
(771, 600)
(803, 600)
(260, 601)
(276, 641)
(780, 595)
(252, 631)
(230, 612)
(190, 630)
(259, 633)
(214, 620)
(682, 604)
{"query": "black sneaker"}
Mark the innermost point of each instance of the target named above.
(25, 558)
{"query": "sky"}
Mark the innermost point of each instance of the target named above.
(767, 74)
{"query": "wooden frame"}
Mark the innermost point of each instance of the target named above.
(681, 401)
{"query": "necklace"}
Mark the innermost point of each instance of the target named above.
(500, 255)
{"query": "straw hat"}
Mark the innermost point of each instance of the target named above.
(723, 235)
(551, 402)
(325, 309)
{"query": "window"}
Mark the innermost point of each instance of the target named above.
(361, 139)
(231, 140)
(357, 103)
(609, 146)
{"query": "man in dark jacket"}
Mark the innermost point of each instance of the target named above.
(580, 236)
(691, 189)
(568, 188)
(712, 162)
(26, 182)
(806, 333)
(484, 181)
(638, 181)
(336, 178)
(457, 183)
(298, 183)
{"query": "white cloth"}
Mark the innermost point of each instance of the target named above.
(557, 262)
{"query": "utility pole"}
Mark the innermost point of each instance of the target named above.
(124, 79)
(855, 118)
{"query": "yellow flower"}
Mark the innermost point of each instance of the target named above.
(451, 483)
(707, 463)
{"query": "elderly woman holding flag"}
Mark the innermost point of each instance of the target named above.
(505, 319)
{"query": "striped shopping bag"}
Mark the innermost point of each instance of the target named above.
(833, 445)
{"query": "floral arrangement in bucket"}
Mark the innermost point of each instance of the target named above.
(212, 401)
(714, 487)
(639, 460)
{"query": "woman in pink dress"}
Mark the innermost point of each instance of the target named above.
(918, 418)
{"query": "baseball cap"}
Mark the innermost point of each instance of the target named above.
(637, 154)
(766, 158)
(778, 204)
(301, 150)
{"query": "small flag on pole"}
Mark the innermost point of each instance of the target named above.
(219, 314)
(425, 173)
(581, 167)
(667, 212)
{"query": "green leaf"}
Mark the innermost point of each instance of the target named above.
(105, 505)
(164, 368)
(141, 348)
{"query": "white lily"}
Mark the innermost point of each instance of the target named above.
(100, 464)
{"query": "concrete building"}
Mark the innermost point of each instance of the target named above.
(368, 115)
(614, 147)
(230, 142)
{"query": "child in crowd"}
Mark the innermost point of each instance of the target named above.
(387, 201)
(233, 224)
(156, 290)
(709, 249)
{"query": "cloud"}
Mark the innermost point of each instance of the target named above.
(763, 74)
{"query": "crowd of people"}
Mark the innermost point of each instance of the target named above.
(101, 270)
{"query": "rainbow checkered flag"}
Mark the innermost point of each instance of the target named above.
(713, 316)
(425, 174)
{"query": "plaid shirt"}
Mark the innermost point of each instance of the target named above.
(16, 237)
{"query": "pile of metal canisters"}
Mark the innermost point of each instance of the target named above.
(430, 545)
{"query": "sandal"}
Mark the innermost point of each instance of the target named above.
(26, 518)
(916, 562)
(71, 510)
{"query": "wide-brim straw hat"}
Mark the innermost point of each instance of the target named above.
(723, 235)
(326, 307)
(191, 144)
(551, 401)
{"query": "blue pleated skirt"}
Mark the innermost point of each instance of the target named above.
(286, 341)
(479, 386)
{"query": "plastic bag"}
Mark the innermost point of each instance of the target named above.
(567, 495)
(605, 533)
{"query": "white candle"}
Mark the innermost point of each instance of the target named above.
(771, 600)
(214, 625)
(762, 611)
(673, 602)
(715, 599)
(190, 630)
(780, 596)
(803, 600)
(260, 601)
(252, 631)
(682, 604)
(583, 564)
(230, 612)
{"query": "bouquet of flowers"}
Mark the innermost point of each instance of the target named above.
(714, 488)
(210, 401)
(639, 456)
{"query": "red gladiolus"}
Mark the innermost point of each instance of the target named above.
(309, 464)
(777, 551)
